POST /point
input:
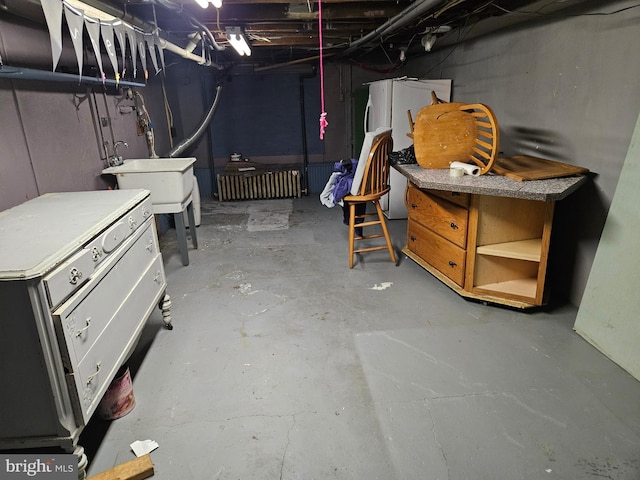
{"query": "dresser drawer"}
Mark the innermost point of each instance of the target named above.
(81, 320)
(448, 258)
(138, 215)
(69, 276)
(62, 282)
(439, 215)
(92, 376)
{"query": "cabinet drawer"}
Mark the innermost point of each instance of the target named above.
(459, 198)
(83, 317)
(436, 251)
(104, 358)
(441, 216)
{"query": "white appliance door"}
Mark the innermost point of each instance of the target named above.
(378, 112)
(407, 95)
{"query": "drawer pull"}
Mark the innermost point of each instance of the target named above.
(88, 323)
(158, 278)
(132, 223)
(413, 238)
(150, 245)
(452, 264)
(454, 226)
(145, 212)
(413, 205)
(93, 375)
(74, 275)
(96, 253)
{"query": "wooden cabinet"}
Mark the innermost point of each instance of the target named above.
(486, 237)
(485, 247)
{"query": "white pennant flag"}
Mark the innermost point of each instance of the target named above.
(75, 22)
(133, 43)
(106, 30)
(151, 45)
(142, 51)
(159, 44)
(93, 27)
(53, 15)
(118, 29)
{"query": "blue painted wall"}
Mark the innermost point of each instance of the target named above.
(259, 115)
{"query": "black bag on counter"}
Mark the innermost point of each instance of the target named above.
(405, 156)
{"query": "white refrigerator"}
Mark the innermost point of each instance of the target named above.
(387, 106)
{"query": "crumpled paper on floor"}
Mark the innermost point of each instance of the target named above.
(142, 447)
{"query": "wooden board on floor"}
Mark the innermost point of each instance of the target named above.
(524, 167)
(136, 469)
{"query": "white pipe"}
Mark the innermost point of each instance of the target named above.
(173, 48)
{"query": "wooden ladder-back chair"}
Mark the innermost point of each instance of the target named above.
(375, 183)
(487, 136)
(456, 132)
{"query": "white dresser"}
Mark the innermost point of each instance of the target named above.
(80, 274)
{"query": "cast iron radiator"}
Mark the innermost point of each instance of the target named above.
(263, 185)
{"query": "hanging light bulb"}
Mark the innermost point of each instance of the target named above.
(203, 3)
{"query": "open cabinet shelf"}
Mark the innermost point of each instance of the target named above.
(521, 287)
(511, 238)
(522, 249)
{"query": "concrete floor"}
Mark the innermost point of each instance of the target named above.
(286, 364)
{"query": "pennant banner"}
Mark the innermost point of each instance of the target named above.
(53, 15)
(139, 43)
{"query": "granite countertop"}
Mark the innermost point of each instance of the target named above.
(491, 184)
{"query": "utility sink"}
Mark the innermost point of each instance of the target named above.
(170, 180)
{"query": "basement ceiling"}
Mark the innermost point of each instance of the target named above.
(380, 34)
(362, 32)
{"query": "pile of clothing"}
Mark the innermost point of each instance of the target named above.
(339, 184)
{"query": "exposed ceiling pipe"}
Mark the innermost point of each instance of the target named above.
(405, 17)
(21, 73)
(187, 142)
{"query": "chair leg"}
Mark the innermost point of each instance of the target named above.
(352, 229)
(383, 224)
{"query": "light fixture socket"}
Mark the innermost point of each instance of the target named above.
(428, 40)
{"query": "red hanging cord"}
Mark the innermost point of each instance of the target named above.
(323, 115)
